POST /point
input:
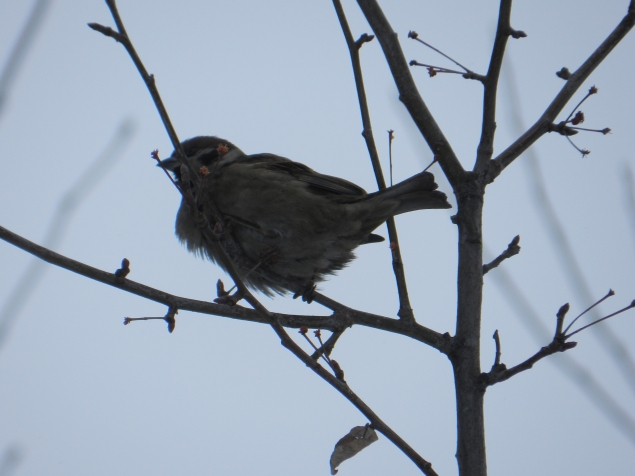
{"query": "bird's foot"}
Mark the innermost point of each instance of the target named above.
(307, 293)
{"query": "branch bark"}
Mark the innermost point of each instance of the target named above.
(500, 373)
(342, 317)
(576, 80)
(486, 146)
(405, 309)
(512, 250)
(409, 94)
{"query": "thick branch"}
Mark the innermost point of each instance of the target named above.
(408, 93)
(564, 96)
(342, 317)
(488, 129)
(405, 309)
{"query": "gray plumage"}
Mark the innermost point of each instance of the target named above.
(288, 226)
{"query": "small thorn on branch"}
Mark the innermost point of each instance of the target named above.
(391, 137)
(497, 367)
(512, 250)
(560, 316)
(564, 73)
(122, 272)
(170, 318)
(516, 34)
(365, 38)
(107, 31)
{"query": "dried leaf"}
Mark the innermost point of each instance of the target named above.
(355, 441)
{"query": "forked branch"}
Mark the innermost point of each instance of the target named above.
(574, 82)
(560, 343)
(512, 250)
(409, 94)
(405, 309)
(488, 129)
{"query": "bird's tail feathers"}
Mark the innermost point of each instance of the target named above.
(416, 193)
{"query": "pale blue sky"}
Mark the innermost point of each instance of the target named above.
(82, 394)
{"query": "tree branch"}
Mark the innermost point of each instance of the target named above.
(276, 321)
(200, 219)
(563, 97)
(408, 93)
(503, 31)
(405, 309)
(559, 343)
(512, 250)
(342, 317)
(501, 373)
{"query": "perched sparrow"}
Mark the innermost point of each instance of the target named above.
(285, 225)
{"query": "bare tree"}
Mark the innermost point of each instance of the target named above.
(469, 185)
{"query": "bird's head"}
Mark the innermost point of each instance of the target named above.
(203, 151)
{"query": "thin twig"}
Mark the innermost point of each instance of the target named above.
(270, 318)
(512, 250)
(558, 344)
(408, 93)
(608, 295)
(604, 131)
(485, 148)
(502, 373)
(329, 345)
(497, 342)
(390, 139)
(592, 90)
(415, 36)
(435, 69)
(583, 379)
(611, 343)
(342, 316)
(405, 309)
(630, 306)
(170, 318)
(466, 73)
(541, 126)
(334, 322)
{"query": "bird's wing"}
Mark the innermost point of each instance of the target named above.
(319, 182)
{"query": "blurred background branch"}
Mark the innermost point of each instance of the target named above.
(21, 48)
(60, 222)
(569, 263)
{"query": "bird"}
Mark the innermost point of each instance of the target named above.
(285, 226)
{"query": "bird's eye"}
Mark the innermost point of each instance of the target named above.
(208, 157)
